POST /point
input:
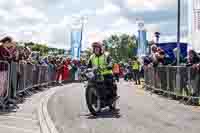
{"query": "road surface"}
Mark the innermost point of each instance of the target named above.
(140, 112)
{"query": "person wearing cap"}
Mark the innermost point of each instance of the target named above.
(103, 61)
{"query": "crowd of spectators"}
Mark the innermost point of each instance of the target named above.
(189, 82)
(65, 68)
(159, 57)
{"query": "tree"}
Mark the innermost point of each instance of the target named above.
(43, 49)
(29, 44)
(121, 47)
(61, 51)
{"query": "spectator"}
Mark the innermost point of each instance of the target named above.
(8, 52)
(182, 59)
(65, 74)
(5, 54)
(193, 58)
(128, 72)
(154, 50)
(51, 69)
(22, 61)
(59, 67)
(116, 71)
(74, 69)
(146, 61)
(136, 70)
(7, 49)
(45, 61)
(161, 57)
(194, 61)
(20, 53)
(27, 53)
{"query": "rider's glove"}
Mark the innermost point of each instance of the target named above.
(109, 66)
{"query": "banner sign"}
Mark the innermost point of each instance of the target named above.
(142, 43)
(169, 47)
(75, 43)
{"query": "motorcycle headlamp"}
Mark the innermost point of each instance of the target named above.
(90, 75)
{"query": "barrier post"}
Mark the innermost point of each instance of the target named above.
(13, 80)
(189, 86)
(168, 79)
(178, 81)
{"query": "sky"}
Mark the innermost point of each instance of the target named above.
(50, 21)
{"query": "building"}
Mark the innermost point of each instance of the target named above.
(194, 15)
(194, 23)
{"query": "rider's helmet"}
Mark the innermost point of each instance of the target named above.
(97, 45)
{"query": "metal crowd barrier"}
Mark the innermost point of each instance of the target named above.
(16, 78)
(34, 76)
(163, 78)
(4, 81)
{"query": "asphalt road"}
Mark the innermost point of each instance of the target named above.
(140, 112)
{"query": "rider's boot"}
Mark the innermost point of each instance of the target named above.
(114, 109)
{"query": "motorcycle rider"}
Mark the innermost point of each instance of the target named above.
(99, 59)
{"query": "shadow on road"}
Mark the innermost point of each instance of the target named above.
(104, 114)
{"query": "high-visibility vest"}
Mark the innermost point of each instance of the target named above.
(100, 62)
(136, 65)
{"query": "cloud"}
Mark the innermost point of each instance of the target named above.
(50, 21)
(40, 4)
(108, 9)
(120, 22)
(150, 4)
(142, 5)
(15, 13)
(151, 11)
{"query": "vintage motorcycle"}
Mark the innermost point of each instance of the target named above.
(97, 95)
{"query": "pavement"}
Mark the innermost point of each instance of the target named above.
(31, 116)
(24, 119)
(140, 112)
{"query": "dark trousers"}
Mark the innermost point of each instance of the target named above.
(128, 76)
(108, 80)
(116, 76)
(136, 75)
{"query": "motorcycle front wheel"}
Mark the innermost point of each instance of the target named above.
(93, 100)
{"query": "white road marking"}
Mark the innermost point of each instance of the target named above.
(18, 117)
(19, 129)
(20, 114)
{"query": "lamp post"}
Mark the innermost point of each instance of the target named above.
(178, 45)
(82, 28)
(178, 32)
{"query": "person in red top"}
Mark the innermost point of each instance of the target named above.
(7, 49)
(65, 74)
(59, 64)
(8, 53)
